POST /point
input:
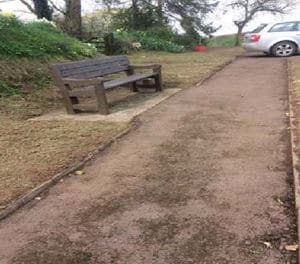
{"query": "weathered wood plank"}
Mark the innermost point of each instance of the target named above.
(81, 79)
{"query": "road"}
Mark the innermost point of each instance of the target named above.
(205, 178)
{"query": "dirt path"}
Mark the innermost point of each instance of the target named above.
(204, 179)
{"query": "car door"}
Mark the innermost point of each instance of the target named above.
(297, 34)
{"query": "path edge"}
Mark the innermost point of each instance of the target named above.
(295, 158)
(29, 196)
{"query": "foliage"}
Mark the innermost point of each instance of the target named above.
(149, 41)
(97, 24)
(225, 41)
(142, 16)
(38, 40)
(162, 32)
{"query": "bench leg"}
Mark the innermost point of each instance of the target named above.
(74, 100)
(68, 100)
(134, 87)
(102, 105)
(158, 83)
(158, 80)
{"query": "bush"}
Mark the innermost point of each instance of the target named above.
(38, 40)
(222, 41)
(165, 33)
(148, 41)
(186, 40)
(156, 43)
(97, 24)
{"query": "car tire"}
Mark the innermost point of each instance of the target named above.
(284, 49)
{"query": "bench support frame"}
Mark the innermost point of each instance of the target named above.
(69, 76)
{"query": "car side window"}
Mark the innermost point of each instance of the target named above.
(298, 26)
(284, 27)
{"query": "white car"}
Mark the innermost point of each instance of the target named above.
(279, 39)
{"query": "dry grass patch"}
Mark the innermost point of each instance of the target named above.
(32, 152)
(184, 70)
(294, 71)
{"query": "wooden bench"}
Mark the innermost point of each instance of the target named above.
(86, 79)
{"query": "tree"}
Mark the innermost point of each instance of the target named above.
(40, 8)
(192, 15)
(248, 9)
(73, 21)
(160, 11)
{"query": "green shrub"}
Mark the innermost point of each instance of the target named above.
(38, 40)
(165, 33)
(186, 40)
(225, 41)
(156, 43)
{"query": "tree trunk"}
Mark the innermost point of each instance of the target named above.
(73, 17)
(135, 14)
(239, 35)
(42, 9)
(160, 11)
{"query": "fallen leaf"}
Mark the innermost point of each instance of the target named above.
(267, 244)
(279, 201)
(291, 247)
(79, 172)
(2, 207)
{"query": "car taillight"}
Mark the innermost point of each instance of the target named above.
(255, 38)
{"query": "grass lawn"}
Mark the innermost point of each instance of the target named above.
(32, 152)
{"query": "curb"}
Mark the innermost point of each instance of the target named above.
(23, 200)
(295, 158)
(214, 72)
(20, 202)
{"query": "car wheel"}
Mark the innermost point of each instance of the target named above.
(284, 49)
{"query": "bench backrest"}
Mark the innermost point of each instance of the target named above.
(89, 69)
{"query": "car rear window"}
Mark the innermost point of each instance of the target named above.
(259, 29)
(284, 27)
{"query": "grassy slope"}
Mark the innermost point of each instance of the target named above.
(31, 152)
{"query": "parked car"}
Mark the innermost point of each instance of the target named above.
(278, 39)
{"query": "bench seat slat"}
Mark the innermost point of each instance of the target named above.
(128, 79)
(87, 73)
(97, 67)
(90, 91)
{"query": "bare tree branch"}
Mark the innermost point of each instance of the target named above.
(29, 6)
(249, 8)
(57, 8)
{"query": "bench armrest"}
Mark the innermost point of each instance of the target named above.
(145, 66)
(82, 82)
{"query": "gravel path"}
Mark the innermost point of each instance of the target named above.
(205, 178)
